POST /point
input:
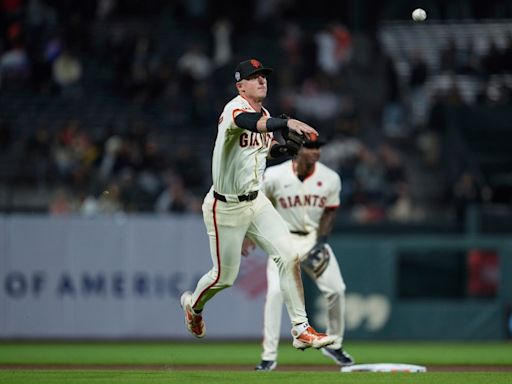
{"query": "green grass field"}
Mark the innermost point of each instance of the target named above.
(164, 362)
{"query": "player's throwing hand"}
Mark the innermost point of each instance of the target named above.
(301, 128)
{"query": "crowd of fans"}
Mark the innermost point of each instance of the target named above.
(464, 72)
(45, 48)
(114, 173)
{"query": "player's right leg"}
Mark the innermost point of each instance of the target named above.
(226, 229)
(193, 320)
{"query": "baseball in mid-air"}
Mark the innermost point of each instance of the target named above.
(419, 14)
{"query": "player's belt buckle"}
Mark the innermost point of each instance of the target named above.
(249, 197)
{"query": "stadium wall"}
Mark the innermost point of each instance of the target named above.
(121, 277)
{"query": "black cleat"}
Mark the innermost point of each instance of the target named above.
(266, 365)
(339, 356)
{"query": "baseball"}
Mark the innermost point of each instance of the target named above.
(419, 14)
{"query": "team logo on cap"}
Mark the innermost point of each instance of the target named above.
(255, 63)
(237, 76)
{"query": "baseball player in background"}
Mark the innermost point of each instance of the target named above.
(235, 208)
(306, 194)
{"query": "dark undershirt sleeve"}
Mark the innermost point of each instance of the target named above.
(248, 120)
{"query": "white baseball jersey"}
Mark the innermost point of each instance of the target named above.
(239, 156)
(302, 203)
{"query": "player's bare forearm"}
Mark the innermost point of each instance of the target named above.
(326, 222)
(261, 125)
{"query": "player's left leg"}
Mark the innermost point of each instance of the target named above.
(270, 232)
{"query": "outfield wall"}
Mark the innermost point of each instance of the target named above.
(389, 299)
(121, 277)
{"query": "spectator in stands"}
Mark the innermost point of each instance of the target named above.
(419, 70)
(222, 51)
(67, 73)
(468, 60)
(194, 65)
(466, 192)
(492, 60)
(318, 103)
(64, 157)
(14, 65)
(39, 147)
(334, 44)
(188, 165)
(152, 164)
(107, 163)
(370, 179)
(292, 44)
(175, 198)
(417, 80)
(394, 174)
(341, 154)
(448, 56)
(401, 210)
(145, 66)
(61, 203)
(133, 197)
(428, 140)
(394, 121)
(109, 201)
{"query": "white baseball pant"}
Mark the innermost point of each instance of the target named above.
(227, 225)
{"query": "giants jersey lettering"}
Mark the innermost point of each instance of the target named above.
(302, 203)
(239, 156)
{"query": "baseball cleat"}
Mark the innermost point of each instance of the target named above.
(339, 356)
(266, 365)
(304, 336)
(193, 321)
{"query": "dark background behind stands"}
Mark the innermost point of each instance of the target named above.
(110, 107)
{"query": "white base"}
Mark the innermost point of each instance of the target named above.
(384, 367)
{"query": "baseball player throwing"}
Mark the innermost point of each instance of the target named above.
(306, 194)
(235, 208)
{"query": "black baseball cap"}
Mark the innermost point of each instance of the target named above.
(314, 141)
(248, 68)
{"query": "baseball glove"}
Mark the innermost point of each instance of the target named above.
(316, 260)
(294, 141)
